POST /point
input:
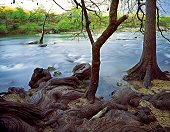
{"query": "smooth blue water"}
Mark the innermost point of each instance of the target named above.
(122, 51)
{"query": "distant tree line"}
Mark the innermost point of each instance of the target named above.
(19, 21)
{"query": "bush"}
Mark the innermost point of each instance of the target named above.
(3, 29)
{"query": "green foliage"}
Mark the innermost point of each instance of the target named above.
(20, 22)
(69, 21)
(165, 21)
(3, 29)
(37, 15)
(20, 16)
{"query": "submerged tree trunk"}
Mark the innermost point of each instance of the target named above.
(147, 69)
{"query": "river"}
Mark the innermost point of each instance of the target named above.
(121, 52)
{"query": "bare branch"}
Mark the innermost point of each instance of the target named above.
(95, 5)
(158, 21)
(60, 6)
(138, 16)
(87, 22)
(79, 5)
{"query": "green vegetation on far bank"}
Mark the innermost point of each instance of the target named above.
(19, 21)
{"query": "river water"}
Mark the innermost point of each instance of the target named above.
(121, 52)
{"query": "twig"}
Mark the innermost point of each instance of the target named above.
(60, 6)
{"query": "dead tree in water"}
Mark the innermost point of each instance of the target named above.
(43, 28)
(114, 22)
(147, 69)
(43, 32)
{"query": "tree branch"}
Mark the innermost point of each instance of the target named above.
(109, 31)
(158, 20)
(113, 11)
(60, 6)
(87, 22)
(143, 14)
(79, 5)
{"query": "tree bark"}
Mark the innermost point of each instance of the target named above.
(147, 69)
(90, 94)
(96, 46)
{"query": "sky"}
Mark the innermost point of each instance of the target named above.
(166, 6)
(32, 4)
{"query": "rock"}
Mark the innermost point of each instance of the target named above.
(159, 128)
(51, 68)
(67, 81)
(166, 72)
(144, 115)
(40, 75)
(17, 90)
(161, 100)
(36, 98)
(33, 42)
(57, 73)
(126, 96)
(82, 71)
(58, 106)
(114, 121)
(42, 45)
(134, 102)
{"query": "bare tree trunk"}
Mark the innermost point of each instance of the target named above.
(147, 69)
(43, 32)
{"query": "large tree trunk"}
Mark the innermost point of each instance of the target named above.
(147, 69)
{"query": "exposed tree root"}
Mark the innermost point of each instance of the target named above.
(145, 72)
(90, 97)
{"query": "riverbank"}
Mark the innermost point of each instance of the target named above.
(38, 29)
(61, 107)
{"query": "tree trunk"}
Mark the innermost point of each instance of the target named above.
(43, 32)
(147, 69)
(42, 37)
(90, 94)
(96, 45)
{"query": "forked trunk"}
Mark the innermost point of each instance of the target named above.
(96, 45)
